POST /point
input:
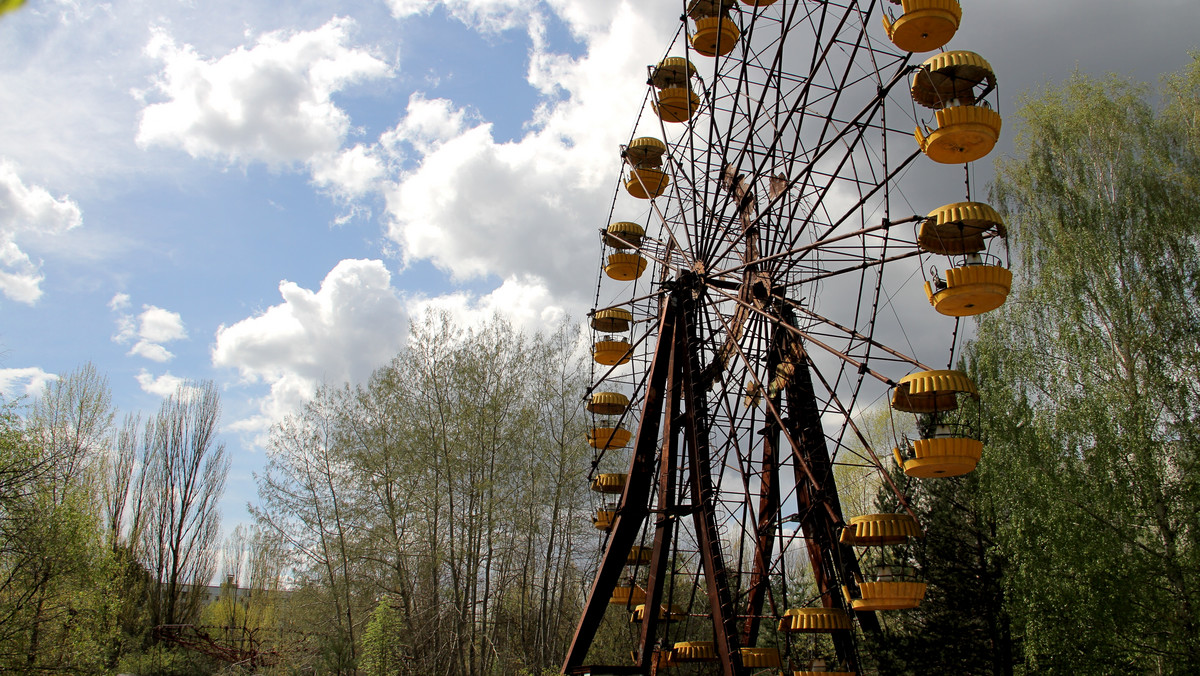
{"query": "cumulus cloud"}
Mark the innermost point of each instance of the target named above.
(348, 174)
(33, 378)
(148, 330)
(479, 207)
(352, 324)
(525, 301)
(270, 103)
(164, 385)
(426, 124)
(27, 212)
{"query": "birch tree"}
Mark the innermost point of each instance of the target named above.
(1098, 346)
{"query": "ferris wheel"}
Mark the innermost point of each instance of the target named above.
(758, 247)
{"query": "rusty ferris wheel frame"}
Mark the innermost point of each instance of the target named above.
(760, 328)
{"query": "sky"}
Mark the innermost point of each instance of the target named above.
(263, 194)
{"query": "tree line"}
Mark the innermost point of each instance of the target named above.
(435, 517)
(1075, 548)
(430, 520)
(106, 529)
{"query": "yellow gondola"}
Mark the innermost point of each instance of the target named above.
(612, 320)
(604, 519)
(695, 651)
(664, 615)
(646, 179)
(815, 620)
(611, 352)
(966, 131)
(715, 34)
(932, 391)
(674, 101)
(940, 457)
(608, 437)
(624, 235)
(628, 595)
(607, 403)
(970, 290)
(875, 530)
(609, 483)
(925, 25)
(887, 595)
(625, 267)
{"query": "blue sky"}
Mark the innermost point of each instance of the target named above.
(262, 195)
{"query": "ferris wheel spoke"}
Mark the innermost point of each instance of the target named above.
(854, 268)
(778, 418)
(862, 366)
(758, 157)
(822, 146)
(812, 160)
(856, 207)
(673, 242)
(866, 444)
(855, 334)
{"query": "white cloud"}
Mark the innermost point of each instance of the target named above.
(270, 103)
(34, 378)
(148, 330)
(483, 15)
(341, 332)
(353, 324)
(164, 385)
(27, 212)
(348, 174)
(427, 123)
(525, 301)
(160, 326)
(479, 207)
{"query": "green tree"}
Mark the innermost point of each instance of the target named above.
(1093, 361)
(962, 625)
(305, 498)
(382, 654)
(452, 485)
(55, 572)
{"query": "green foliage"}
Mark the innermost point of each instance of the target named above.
(963, 608)
(163, 660)
(56, 596)
(1088, 375)
(74, 593)
(1072, 548)
(451, 484)
(382, 650)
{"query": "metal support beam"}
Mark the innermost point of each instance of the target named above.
(768, 507)
(833, 563)
(695, 430)
(635, 500)
(664, 526)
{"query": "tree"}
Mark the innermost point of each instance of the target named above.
(54, 596)
(962, 625)
(1095, 355)
(304, 499)
(449, 488)
(73, 422)
(185, 478)
(244, 618)
(383, 654)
